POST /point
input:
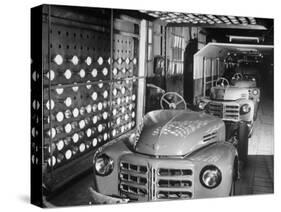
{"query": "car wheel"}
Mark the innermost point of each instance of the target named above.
(243, 140)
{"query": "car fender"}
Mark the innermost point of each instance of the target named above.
(221, 154)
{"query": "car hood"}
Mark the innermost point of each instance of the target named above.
(244, 83)
(177, 132)
(229, 93)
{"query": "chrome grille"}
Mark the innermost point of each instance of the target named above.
(133, 179)
(156, 179)
(225, 110)
(174, 183)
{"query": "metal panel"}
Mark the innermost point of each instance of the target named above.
(90, 84)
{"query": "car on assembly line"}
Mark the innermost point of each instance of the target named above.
(174, 153)
(236, 105)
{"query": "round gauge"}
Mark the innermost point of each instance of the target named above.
(82, 147)
(127, 60)
(105, 94)
(114, 112)
(52, 162)
(118, 121)
(68, 101)
(75, 88)
(58, 59)
(94, 96)
(67, 74)
(51, 75)
(133, 97)
(35, 76)
(94, 72)
(99, 106)
(50, 104)
(118, 101)
(114, 91)
(60, 145)
(67, 114)
(123, 70)
(88, 60)
(75, 138)
(89, 108)
(133, 114)
(95, 119)
(100, 61)
(105, 71)
(100, 128)
(75, 112)
(52, 133)
(67, 128)
(113, 132)
(75, 60)
(105, 136)
(88, 86)
(123, 90)
(100, 85)
(82, 124)
(59, 116)
(59, 90)
(94, 108)
(89, 132)
(82, 73)
(35, 105)
(115, 71)
(82, 110)
(105, 115)
(68, 154)
(95, 142)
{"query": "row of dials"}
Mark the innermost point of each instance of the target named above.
(68, 101)
(68, 74)
(68, 147)
(75, 60)
(122, 114)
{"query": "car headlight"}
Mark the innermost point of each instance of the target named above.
(210, 176)
(201, 105)
(255, 92)
(103, 165)
(245, 109)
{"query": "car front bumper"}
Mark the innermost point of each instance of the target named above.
(99, 198)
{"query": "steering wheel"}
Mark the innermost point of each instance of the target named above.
(172, 100)
(237, 76)
(223, 82)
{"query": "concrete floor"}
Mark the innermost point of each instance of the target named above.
(256, 178)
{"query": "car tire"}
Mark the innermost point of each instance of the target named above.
(243, 141)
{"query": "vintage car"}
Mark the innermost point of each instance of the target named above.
(174, 154)
(236, 106)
